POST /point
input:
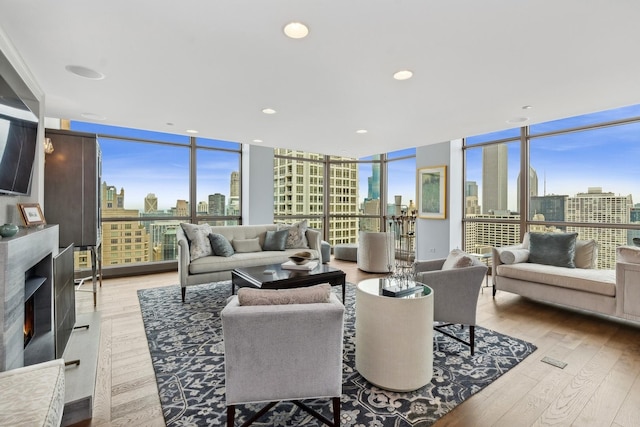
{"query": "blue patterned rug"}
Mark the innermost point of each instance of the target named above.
(185, 341)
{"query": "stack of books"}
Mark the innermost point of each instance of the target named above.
(290, 265)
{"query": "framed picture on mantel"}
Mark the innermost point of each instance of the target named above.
(31, 214)
(432, 192)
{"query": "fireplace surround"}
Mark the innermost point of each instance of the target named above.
(26, 268)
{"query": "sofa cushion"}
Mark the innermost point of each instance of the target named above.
(457, 259)
(307, 295)
(246, 245)
(220, 245)
(601, 282)
(297, 238)
(198, 236)
(586, 253)
(628, 254)
(513, 256)
(553, 249)
(275, 240)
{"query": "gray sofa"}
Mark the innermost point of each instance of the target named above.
(214, 268)
(610, 292)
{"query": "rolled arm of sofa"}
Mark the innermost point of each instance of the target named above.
(183, 257)
(314, 239)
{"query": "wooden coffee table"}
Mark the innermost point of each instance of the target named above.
(285, 279)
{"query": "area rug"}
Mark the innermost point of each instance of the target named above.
(185, 341)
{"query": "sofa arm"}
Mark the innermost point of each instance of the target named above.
(184, 259)
(314, 239)
(429, 265)
(628, 279)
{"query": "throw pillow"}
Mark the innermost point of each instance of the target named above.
(557, 249)
(246, 245)
(630, 254)
(275, 240)
(309, 295)
(297, 235)
(586, 253)
(513, 256)
(220, 245)
(457, 259)
(198, 236)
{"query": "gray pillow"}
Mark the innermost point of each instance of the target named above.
(246, 245)
(198, 236)
(557, 249)
(297, 235)
(220, 245)
(275, 240)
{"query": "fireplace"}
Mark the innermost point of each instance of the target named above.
(29, 321)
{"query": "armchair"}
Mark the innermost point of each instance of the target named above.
(285, 351)
(455, 290)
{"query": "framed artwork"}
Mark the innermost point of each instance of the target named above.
(31, 214)
(432, 192)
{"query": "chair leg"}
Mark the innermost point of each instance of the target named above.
(184, 293)
(231, 414)
(336, 411)
(472, 336)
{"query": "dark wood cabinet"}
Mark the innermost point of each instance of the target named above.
(72, 187)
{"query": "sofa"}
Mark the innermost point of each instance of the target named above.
(238, 246)
(578, 285)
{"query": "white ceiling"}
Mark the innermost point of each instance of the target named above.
(213, 65)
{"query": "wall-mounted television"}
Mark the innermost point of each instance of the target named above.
(18, 141)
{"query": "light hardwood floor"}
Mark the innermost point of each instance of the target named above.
(600, 386)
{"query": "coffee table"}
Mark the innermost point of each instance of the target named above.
(255, 277)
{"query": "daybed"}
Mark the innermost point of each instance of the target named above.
(238, 246)
(610, 292)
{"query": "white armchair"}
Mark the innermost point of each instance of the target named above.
(290, 351)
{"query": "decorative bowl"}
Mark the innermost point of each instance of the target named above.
(8, 230)
(300, 258)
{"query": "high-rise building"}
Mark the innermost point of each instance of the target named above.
(123, 242)
(151, 203)
(597, 206)
(552, 207)
(181, 208)
(233, 209)
(472, 207)
(217, 204)
(481, 236)
(494, 179)
(299, 190)
(202, 208)
(533, 184)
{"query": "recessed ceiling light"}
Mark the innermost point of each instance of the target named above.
(85, 72)
(257, 141)
(518, 120)
(169, 124)
(361, 131)
(527, 107)
(403, 75)
(268, 111)
(92, 116)
(296, 30)
(192, 131)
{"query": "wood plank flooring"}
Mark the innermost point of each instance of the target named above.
(600, 386)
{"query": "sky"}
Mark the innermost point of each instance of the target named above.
(565, 164)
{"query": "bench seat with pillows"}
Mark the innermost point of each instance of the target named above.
(559, 268)
(209, 253)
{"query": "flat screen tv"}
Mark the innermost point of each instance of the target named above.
(18, 141)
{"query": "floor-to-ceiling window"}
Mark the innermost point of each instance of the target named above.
(152, 181)
(581, 177)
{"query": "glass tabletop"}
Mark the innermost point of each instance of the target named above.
(389, 287)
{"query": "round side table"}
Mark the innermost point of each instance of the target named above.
(394, 336)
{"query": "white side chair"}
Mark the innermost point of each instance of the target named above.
(376, 251)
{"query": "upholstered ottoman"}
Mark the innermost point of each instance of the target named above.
(346, 251)
(325, 252)
(32, 395)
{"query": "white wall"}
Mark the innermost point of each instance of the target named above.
(257, 185)
(436, 237)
